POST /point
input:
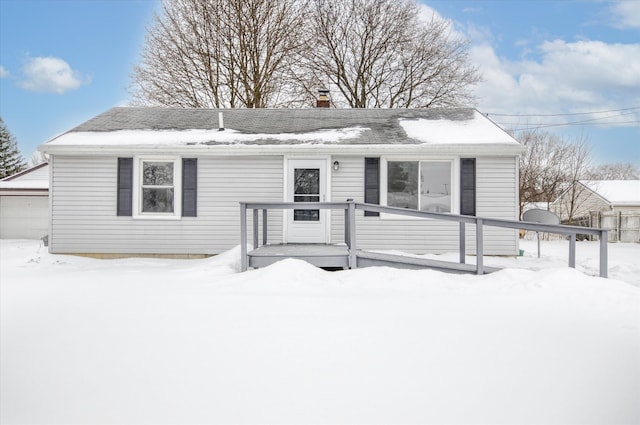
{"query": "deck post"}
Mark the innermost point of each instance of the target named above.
(243, 237)
(572, 250)
(604, 240)
(255, 228)
(462, 243)
(264, 226)
(346, 227)
(353, 263)
(479, 247)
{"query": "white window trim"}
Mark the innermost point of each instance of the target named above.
(455, 183)
(177, 191)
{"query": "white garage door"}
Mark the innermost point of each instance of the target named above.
(24, 217)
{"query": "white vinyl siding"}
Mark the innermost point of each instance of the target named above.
(496, 193)
(496, 197)
(84, 193)
(585, 201)
(84, 208)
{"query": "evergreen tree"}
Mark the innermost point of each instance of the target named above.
(11, 161)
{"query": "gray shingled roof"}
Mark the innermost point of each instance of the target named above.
(382, 124)
(270, 121)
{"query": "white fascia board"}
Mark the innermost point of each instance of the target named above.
(256, 150)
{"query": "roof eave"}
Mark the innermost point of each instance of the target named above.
(236, 150)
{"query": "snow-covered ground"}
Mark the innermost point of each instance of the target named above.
(194, 341)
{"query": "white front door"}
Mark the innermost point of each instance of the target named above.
(306, 182)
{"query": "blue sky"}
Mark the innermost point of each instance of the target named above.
(558, 65)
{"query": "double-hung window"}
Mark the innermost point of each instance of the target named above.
(158, 187)
(421, 185)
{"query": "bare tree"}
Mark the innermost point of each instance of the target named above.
(381, 53)
(617, 171)
(37, 158)
(550, 166)
(219, 53)
(541, 167)
(274, 53)
(576, 164)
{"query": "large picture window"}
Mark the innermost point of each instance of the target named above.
(421, 185)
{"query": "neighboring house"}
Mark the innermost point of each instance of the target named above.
(169, 181)
(607, 204)
(24, 204)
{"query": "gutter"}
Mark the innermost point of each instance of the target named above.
(242, 150)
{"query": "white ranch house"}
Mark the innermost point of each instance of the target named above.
(162, 181)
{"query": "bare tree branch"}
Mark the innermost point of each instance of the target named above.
(380, 53)
(278, 53)
(550, 166)
(219, 53)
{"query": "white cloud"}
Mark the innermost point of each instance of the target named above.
(50, 75)
(3, 72)
(568, 77)
(626, 14)
(427, 14)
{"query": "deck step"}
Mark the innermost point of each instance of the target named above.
(320, 255)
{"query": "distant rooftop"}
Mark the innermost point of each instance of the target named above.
(36, 177)
(618, 192)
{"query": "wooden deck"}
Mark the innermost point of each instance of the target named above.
(337, 256)
(348, 255)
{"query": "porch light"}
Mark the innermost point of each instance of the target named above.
(336, 165)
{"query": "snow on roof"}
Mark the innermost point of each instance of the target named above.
(535, 206)
(33, 178)
(170, 126)
(19, 184)
(476, 130)
(201, 137)
(616, 191)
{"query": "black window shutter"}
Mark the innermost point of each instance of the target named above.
(372, 184)
(125, 186)
(189, 187)
(468, 186)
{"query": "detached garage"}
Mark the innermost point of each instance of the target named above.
(24, 204)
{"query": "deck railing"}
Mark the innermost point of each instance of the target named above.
(350, 237)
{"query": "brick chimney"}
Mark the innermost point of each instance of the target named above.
(323, 98)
